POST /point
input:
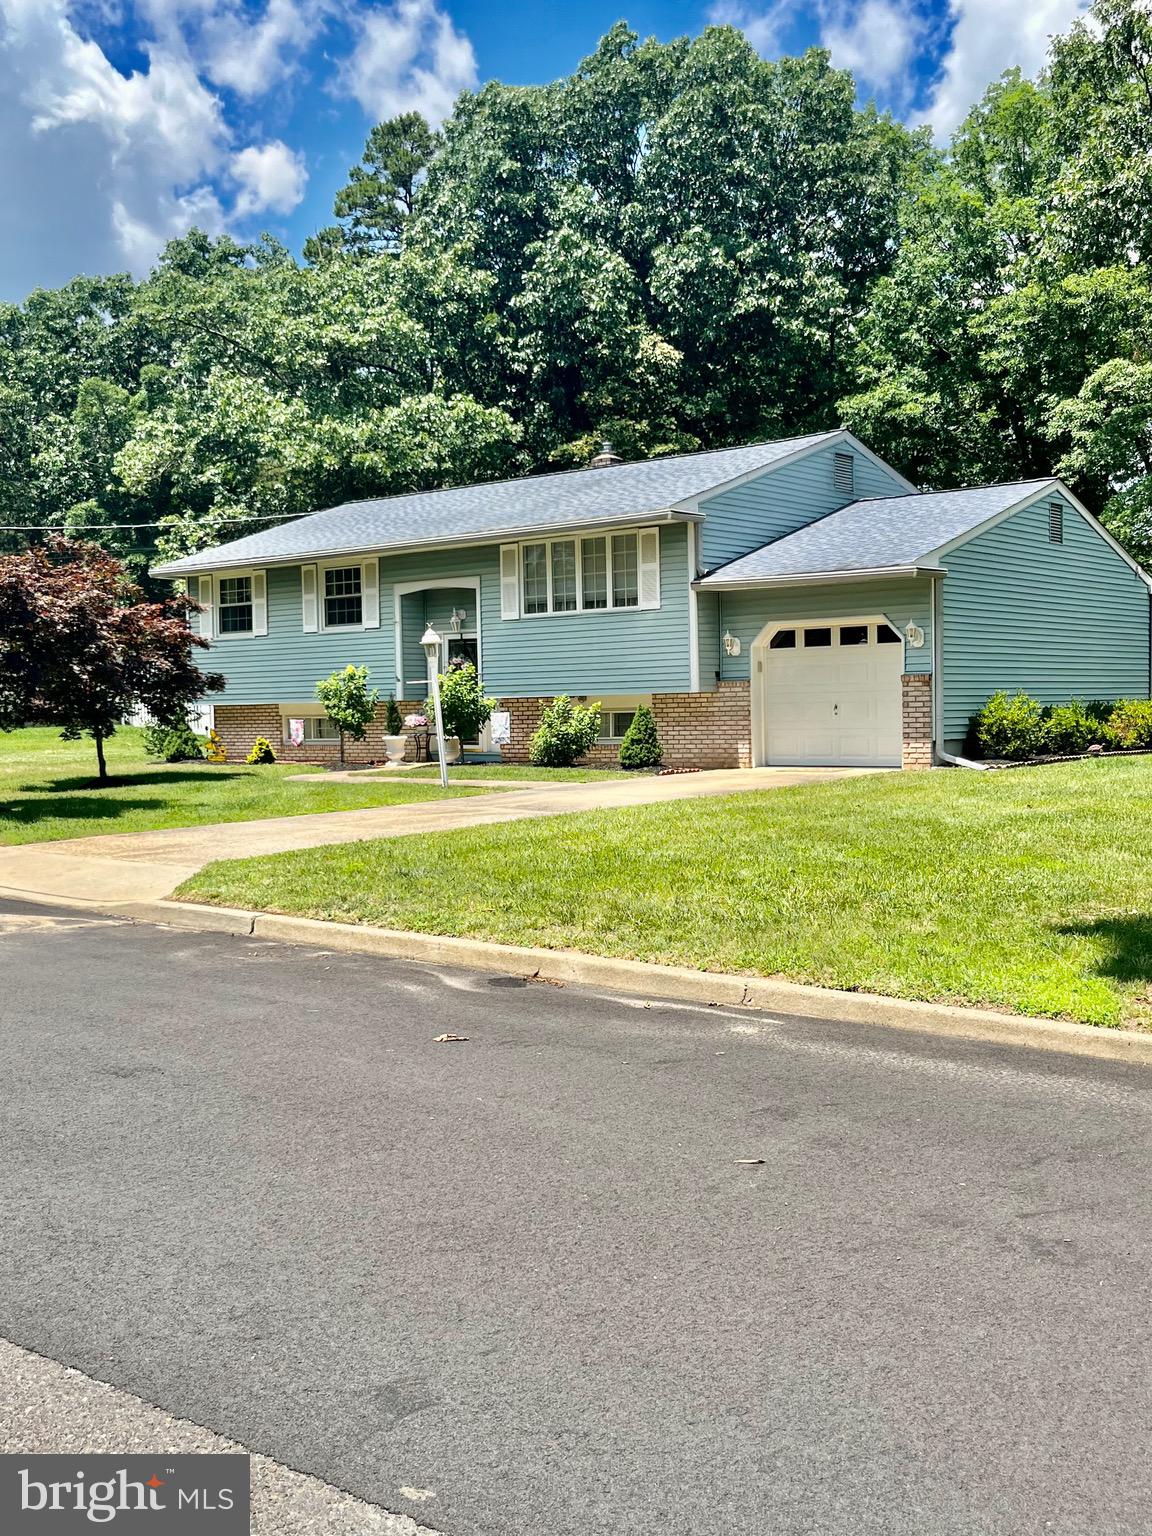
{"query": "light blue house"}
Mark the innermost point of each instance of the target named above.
(795, 602)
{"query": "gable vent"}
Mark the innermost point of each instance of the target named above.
(843, 472)
(1055, 523)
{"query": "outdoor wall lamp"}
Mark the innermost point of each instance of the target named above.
(431, 646)
(731, 643)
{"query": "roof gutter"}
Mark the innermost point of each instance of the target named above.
(809, 577)
(177, 568)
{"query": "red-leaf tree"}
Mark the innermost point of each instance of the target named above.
(80, 648)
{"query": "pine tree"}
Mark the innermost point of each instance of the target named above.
(641, 745)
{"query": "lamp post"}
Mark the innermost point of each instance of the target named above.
(431, 644)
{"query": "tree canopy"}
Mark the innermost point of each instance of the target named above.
(681, 245)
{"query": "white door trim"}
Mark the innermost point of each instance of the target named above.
(403, 589)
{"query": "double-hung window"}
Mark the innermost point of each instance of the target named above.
(234, 605)
(343, 597)
(598, 571)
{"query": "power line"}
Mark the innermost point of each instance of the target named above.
(120, 527)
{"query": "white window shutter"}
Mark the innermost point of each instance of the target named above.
(370, 593)
(310, 611)
(509, 581)
(205, 598)
(259, 603)
(649, 568)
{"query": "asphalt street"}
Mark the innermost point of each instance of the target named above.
(532, 1278)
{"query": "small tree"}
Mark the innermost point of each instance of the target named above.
(348, 703)
(393, 725)
(566, 731)
(463, 705)
(81, 649)
(641, 745)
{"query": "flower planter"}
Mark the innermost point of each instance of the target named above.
(395, 748)
(452, 749)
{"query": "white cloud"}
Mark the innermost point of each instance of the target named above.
(409, 58)
(764, 27)
(877, 40)
(988, 37)
(100, 168)
(271, 179)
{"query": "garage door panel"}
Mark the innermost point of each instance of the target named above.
(834, 704)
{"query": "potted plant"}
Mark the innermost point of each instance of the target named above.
(395, 736)
(463, 707)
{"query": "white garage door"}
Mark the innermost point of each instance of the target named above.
(832, 695)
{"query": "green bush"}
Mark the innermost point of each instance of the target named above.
(261, 752)
(1130, 723)
(566, 731)
(173, 743)
(393, 725)
(641, 745)
(348, 702)
(1070, 728)
(1009, 726)
(463, 706)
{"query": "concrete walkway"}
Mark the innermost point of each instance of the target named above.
(145, 866)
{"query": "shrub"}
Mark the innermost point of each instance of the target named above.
(1009, 726)
(641, 745)
(393, 725)
(464, 708)
(348, 703)
(215, 751)
(566, 731)
(173, 743)
(1070, 728)
(261, 751)
(1130, 723)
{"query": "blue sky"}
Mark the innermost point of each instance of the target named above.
(122, 122)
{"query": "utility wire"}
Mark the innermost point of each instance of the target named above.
(119, 527)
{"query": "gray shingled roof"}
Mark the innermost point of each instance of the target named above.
(573, 498)
(890, 533)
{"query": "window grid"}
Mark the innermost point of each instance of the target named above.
(234, 605)
(343, 599)
(577, 576)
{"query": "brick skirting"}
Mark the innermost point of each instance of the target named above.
(916, 712)
(696, 730)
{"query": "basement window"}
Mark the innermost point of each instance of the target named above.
(1055, 523)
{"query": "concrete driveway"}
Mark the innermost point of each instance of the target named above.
(145, 866)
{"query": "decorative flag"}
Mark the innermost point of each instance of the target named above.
(296, 732)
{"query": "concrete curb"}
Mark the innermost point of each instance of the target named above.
(712, 988)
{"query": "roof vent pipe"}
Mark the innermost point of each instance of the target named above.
(605, 457)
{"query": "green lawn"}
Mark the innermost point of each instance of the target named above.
(46, 790)
(1028, 890)
(520, 771)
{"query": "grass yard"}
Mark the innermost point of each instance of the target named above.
(525, 773)
(46, 790)
(1029, 890)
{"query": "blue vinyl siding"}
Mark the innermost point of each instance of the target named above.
(781, 500)
(709, 636)
(902, 600)
(630, 651)
(1061, 621)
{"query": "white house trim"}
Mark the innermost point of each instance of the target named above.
(693, 612)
